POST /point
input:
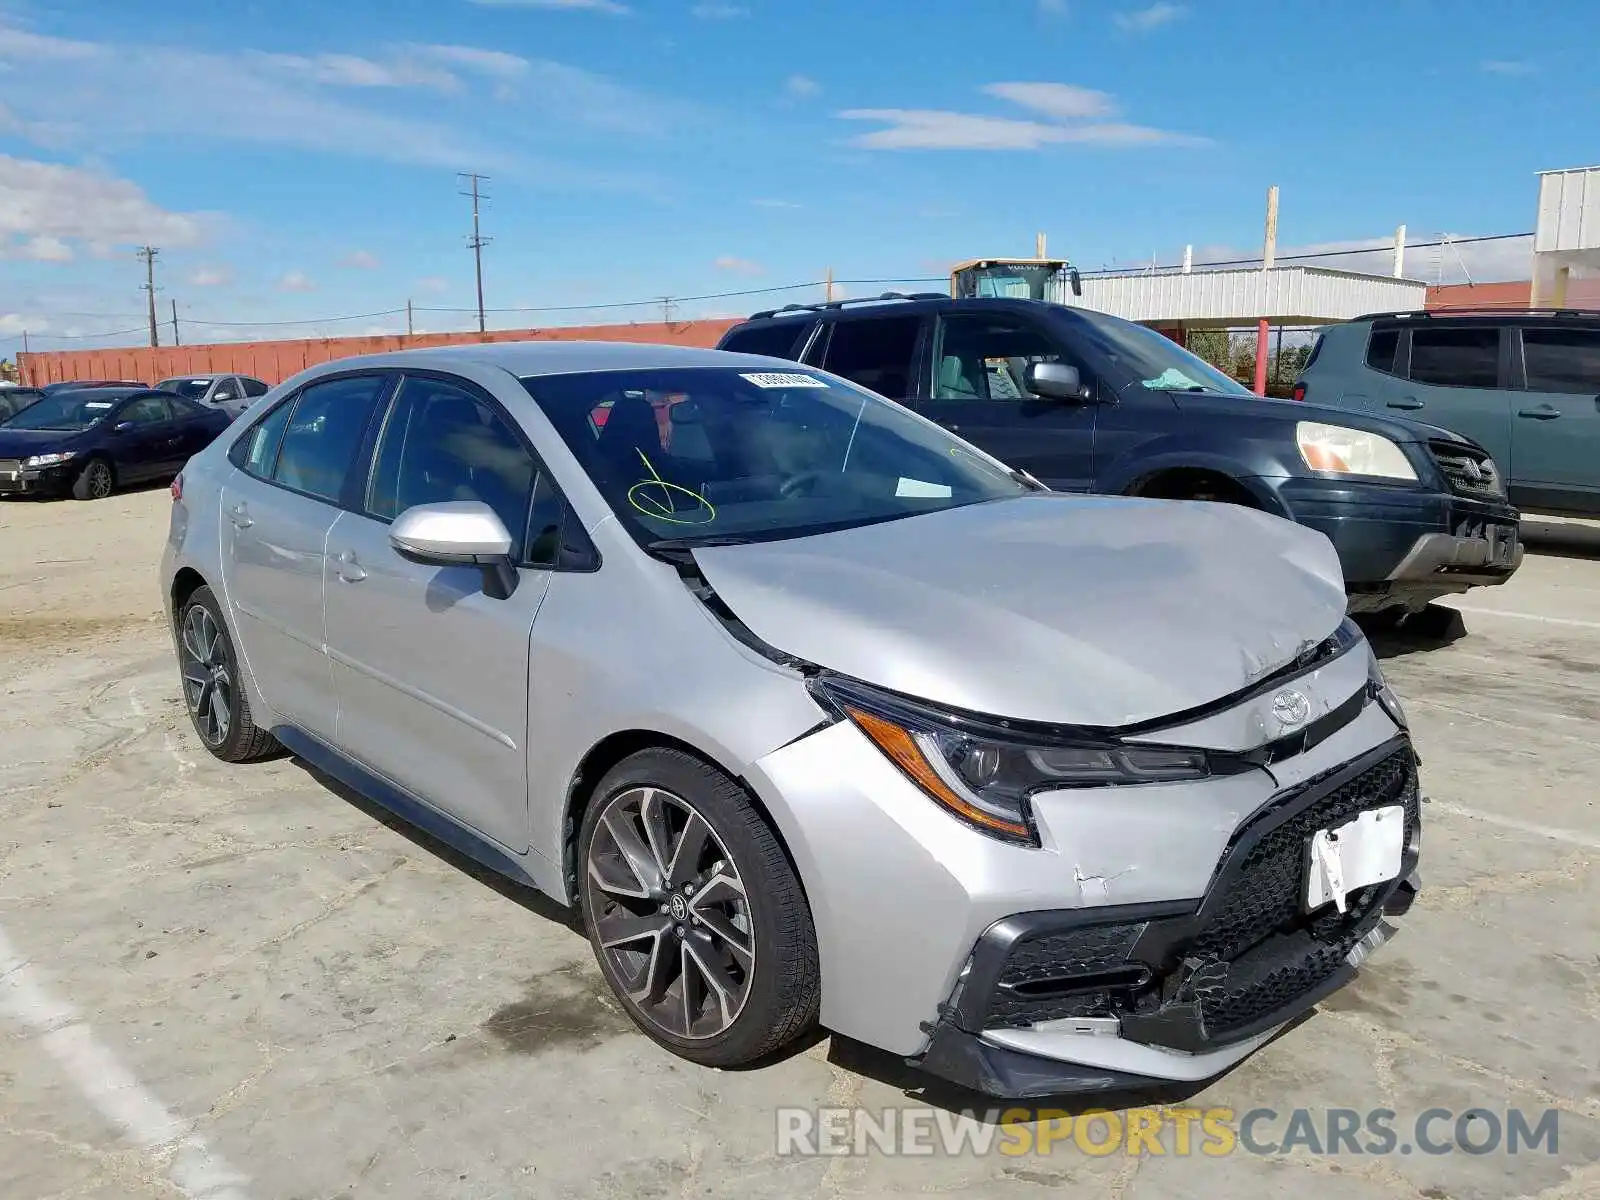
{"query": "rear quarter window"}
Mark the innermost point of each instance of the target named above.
(778, 340)
(1381, 347)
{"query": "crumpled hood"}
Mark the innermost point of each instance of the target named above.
(1084, 610)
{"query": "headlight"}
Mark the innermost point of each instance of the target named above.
(48, 460)
(985, 773)
(1344, 451)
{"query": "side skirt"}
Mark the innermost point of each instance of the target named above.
(409, 809)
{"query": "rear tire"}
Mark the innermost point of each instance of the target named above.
(694, 913)
(213, 688)
(94, 481)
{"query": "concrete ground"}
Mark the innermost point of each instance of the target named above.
(240, 982)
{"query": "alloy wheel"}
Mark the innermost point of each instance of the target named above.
(99, 480)
(207, 683)
(670, 913)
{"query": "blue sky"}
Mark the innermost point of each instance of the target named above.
(295, 160)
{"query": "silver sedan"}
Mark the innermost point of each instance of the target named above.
(816, 713)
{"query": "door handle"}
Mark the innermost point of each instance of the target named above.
(240, 516)
(1540, 412)
(350, 570)
(1408, 402)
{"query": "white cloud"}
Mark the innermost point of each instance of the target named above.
(1062, 101)
(296, 281)
(350, 70)
(50, 203)
(1507, 66)
(1053, 8)
(738, 266)
(321, 103)
(12, 324)
(496, 63)
(604, 6)
(940, 129)
(39, 249)
(801, 86)
(719, 12)
(432, 285)
(1144, 20)
(765, 203)
(207, 275)
(360, 260)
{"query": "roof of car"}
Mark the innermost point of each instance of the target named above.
(560, 358)
(108, 393)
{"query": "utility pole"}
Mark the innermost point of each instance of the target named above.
(666, 311)
(176, 341)
(408, 316)
(148, 253)
(1268, 257)
(477, 241)
(827, 287)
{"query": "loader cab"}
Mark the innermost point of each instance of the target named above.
(1013, 278)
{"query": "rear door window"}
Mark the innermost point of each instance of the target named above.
(1562, 360)
(876, 352)
(1456, 357)
(324, 434)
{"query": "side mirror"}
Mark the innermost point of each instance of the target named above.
(458, 533)
(1055, 381)
(1077, 281)
(122, 427)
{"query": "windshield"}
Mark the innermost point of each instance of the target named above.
(189, 389)
(64, 410)
(1154, 360)
(717, 453)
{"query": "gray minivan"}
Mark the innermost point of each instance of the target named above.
(1523, 384)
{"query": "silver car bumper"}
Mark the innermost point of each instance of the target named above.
(919, 919)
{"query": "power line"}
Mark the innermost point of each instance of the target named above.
(477, 241)
(656, 301)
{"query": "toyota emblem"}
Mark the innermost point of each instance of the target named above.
(1291, 708)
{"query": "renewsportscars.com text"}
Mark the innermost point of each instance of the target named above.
(1180, 1132)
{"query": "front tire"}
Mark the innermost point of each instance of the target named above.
(213, 689)
(696, 918)
(95, 481)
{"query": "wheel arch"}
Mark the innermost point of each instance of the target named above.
(1185, 483)
(620, 745)
(185, 584)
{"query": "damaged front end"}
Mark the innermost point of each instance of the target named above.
(1130, 995)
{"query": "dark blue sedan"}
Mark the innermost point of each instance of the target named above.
(92, 441)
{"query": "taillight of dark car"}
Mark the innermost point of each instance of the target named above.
(1299, 392)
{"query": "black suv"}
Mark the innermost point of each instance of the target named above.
(1090, 403)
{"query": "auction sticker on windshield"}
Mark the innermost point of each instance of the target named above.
(782, 379)
(98, 404)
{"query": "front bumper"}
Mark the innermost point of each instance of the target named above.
(31, 481)
(1135, 996)
(1402, 546)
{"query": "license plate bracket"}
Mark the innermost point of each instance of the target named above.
(1361, 852)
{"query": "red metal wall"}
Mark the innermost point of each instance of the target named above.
(276, 361)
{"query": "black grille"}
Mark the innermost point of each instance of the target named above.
(1251, 941)
(1468, 472)
(1264, 895)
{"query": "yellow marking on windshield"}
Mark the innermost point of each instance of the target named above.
(661, 509)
